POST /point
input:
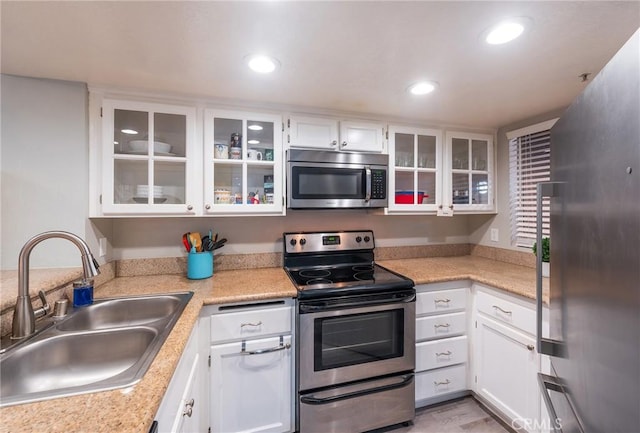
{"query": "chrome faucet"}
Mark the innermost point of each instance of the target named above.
(24, 317)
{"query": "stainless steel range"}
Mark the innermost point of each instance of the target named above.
(355, 334)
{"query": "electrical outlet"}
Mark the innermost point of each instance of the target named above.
(494, 235)
(102, 247)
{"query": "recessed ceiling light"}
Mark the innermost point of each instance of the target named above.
(255, 127)
(262, 64)
(506, 31)
(129, 131)
(253, 141)
(422, 87)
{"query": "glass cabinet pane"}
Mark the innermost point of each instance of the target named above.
(404, 150)
(479, 152)
(460, 188)
(479, 189)
(260, 185)
(460, 154)
(404, 187)
(169, 182)
(227, 139)
(426, 151)
(170, 134)
(131, 182)
(130, 132)
(227, 184)
(259, 140)
(427, 186)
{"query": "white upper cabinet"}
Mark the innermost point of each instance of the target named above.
(243, 163)
(415, 169)
(331, 134)
(148, 159)
(469, 173)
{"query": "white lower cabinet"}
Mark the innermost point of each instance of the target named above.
(505, 358)
(251, 368)
(181, 408)
(441, 342)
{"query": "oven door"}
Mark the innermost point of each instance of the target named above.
(329, 185)
(361, 338)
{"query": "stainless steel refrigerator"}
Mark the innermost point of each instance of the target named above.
(594, 309)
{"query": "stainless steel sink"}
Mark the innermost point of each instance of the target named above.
(107, 345)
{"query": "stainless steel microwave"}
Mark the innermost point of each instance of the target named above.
(329, 179)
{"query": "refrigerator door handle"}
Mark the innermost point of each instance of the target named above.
(549, 384)
(545, 346)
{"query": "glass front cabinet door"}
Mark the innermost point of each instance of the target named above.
(242, 163)
(469, 178)
(147, 158)
(414, 161)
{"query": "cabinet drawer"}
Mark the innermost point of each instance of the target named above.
(442, 381)
(523, 318)
(250, 324)
(441, 301)
(441, 353)
(442, 325)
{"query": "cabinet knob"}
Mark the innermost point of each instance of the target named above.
(344, 144)
(451, 206)
(189, 207)
(531, 347)
(334, 143)
(207, 206)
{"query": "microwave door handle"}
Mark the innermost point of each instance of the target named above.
(367, 196)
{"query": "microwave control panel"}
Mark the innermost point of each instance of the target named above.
(378, 184)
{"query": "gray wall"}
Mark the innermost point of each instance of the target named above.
(45, 167)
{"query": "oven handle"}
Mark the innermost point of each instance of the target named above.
(406, 380)
(316, 308)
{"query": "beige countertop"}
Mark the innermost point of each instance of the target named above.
(133, 409)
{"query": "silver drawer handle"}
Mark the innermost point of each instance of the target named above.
(188, 408)
(446, 382)
(447, 353)
(445, 325)
(446, 301)
(504, 311)
(281, 346)
(242, 325)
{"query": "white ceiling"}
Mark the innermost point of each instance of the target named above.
(344, 56)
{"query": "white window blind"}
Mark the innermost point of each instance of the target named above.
(529, 163)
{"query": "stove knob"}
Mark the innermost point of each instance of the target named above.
(358, 239)
(367, 238)
(292, 242)
(303, 241)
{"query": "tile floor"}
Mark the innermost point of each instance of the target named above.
(465, 415)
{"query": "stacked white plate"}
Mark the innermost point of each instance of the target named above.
(143, 191)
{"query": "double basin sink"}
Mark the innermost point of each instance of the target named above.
(107, 345)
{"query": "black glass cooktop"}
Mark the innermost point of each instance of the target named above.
(322, 281)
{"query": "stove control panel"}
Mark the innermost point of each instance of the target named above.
(311, 242)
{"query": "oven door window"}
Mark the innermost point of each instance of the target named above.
(358, 338)
(328, 183)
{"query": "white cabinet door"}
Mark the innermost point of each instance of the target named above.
(469, 184)
(361, 136)
(329, 134)
(313, 133)
(251, 392)
(181, 406)
(149, 159)
(415, 169)
(242, 163)
(506, 370)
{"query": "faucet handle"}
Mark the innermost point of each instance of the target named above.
(44, 310)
